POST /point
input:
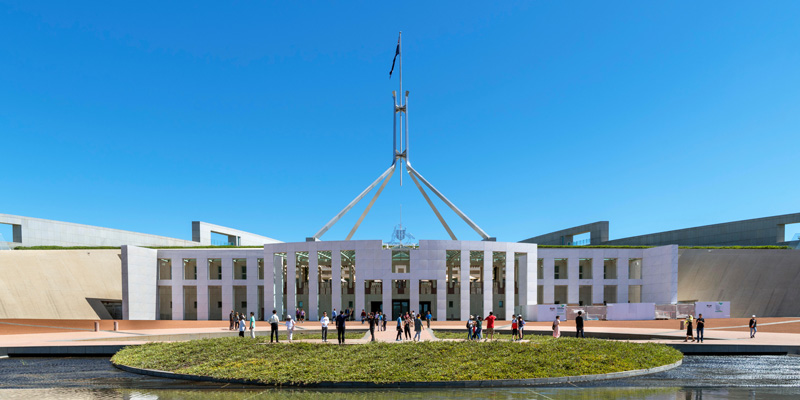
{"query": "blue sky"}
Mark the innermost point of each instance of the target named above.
(271, 116)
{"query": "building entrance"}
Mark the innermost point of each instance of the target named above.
(424, 307)
(376, 306)
(399, 307)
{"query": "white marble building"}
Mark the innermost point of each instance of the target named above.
(452, 279)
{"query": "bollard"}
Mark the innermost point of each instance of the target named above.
(97, 326)
(683, 324)
(116, 326)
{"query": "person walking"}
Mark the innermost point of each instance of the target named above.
(428, 319)
(302, 315)
(232, 321)
(252, 325)
(384, 320)
(478, 328)
(236, 318)
(273, 326)
(371, 319)
(753, 327)
(333, 314)
(700, 326)
(417, 328)
(520, 325)
(490, 325)
(290, 324)
(340, 326)
(399, 337)
(689, 330)
(242, 326)
(363, 316)
(557, 327)
(324, 321)
(579, 325)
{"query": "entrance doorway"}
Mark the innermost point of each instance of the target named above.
(376, 306)
(399, 307)
(424, 307)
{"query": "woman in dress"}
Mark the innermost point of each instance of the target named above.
(689, 333)
(556, 327)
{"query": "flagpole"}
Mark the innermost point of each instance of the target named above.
(400, 95)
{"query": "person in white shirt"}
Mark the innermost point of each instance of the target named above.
(273, 325)
(242, 325)
(325, 321)
(290, 327)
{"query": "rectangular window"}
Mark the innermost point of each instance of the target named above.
(401, 261)
(190, 269)
(610, 268)
(560, 270)
(261, 268)
(540, 269)
(239, 268)
(635, 269)
(165, 269)
(215, 269)
(585, 268)
(635, 294)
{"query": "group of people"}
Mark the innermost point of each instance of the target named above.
(239, 323)
(300, 315)
(404, 324)
(579, 332)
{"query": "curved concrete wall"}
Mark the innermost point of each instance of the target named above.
(58, 283)
(760, 282)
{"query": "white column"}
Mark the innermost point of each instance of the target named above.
(202, 289)
(313, 313)
(226, 286)
(413, 298)
(177, 288)
(464, 298)
(598, 288)
(277, 268)
(622, 279)
(549, 296)
(358, 291)
(441, 300)
(252, 288)
(488, 288)
(336, 279)
(573, 285)
(291, 283)
(509, 304)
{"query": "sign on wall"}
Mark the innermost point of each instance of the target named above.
(713, 309)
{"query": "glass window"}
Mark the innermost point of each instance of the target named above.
(635, 269)
(585, 268)
(239, 268)
(540, 269)
(261, 268)
(560, 270)
(401, 261)
(610, 268)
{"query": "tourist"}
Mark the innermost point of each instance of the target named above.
(363, 316)
(241, 325)
(252, 325)
(302, 315)
(557, 327)
(417, 328)
(689, 330)
(490, 325)
(233, 323)
(520, 326)
(371, 318)
(290, 324)
(753, 329)
(340, 326)
(273, 326)
(428, 319)
(333, 314)
(297, 314)
(701, 324)
(470, 324)
(399, 337)
(324, 321)
(514, 329)
(579, 325)
(236, 318)
(478, 328)
(407, 327)
(383, 318)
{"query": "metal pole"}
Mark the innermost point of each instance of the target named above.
(405, 108)
(400, 93)
(394, 127)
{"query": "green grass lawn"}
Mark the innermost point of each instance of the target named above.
(236, 358)
(303, 335)
(463, 335)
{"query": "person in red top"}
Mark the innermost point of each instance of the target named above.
(490, 325)
(514, 330)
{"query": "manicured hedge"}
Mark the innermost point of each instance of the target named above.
(308, 363)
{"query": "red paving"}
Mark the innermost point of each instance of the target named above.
(28, 326)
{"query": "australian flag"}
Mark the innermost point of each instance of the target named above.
(396, 53)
